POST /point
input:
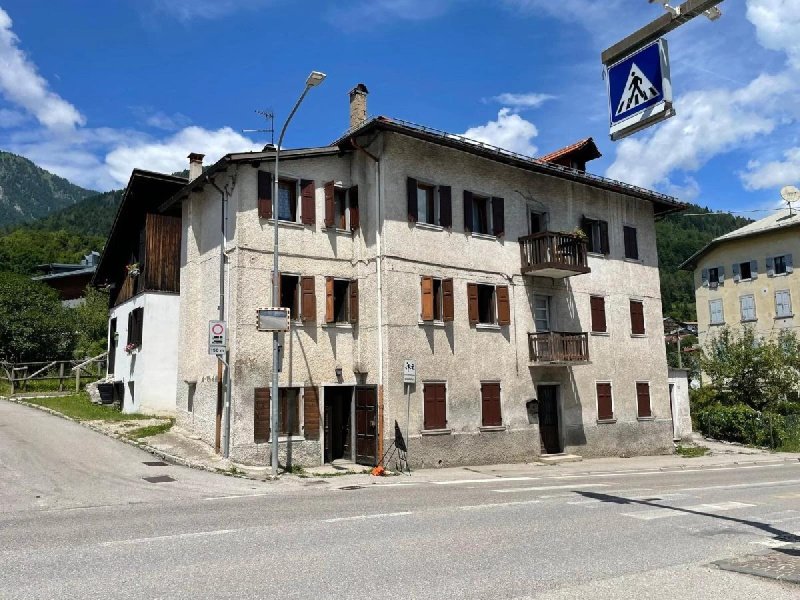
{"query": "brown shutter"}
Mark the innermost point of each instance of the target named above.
(490, 404)
(643, 399)
(353, 300)
(448, 310)
(605, 408)
(426, 287)
(354, 216)
(598, 304)
(445, 206)
(329, 204)
(503, 305)
(435, 408)
(472, 302)
(637, 317)
(308, 204)
(261, 415)
(467, 210)
(329, 299)
(411, 196)
(605, 246)
(264, 195)
(308, 299)
(631, 245)
(311, 413)
(498, 217)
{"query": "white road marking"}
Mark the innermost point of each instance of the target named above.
(756, 484)
(672, 471)
(383, 485)
(683, 511)
(364, 517)
(487, 480)
(177, 536)
(233, 497)
(773, 543)
(782, 516)
(499, 504)
(550, 487)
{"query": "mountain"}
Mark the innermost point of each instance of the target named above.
(91, 216)
(29, 192)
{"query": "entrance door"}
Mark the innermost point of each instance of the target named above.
(366, 427)
(112, 346)
(548, 419)
(672, 412)
(338, 401)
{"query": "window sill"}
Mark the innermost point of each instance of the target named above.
(749, 320)
(600, 333)
(606, 421)
(289, 224)
(429, 226)
(285, 438)
(484, 236)
(748, 280)
(638, 335)
(650, 418)
(597, 255)
(488, 327)
(491, 428)
(431, 432)
(337, 231)
(779, 317)
(337, 325)
(720, 324)
(435, 324)
(633, 260)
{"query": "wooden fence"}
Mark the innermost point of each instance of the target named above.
(51, 376)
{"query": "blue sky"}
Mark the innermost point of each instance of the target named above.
(92, 89)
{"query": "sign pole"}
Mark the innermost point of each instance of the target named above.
(408, 420)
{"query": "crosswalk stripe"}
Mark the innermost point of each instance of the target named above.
(678, 511)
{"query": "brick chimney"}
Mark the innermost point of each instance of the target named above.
(195, 165)
(358, 105)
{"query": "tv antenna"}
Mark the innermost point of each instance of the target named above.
(269, 117)
(790, 194)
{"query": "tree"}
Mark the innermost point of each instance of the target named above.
(91, 324)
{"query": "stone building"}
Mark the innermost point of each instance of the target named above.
(525, 290)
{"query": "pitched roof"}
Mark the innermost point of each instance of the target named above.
(585, 148)
(779, 220)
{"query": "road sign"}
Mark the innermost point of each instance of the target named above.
(409, 371)
(639, 90)
(217, 337)
(273, 319)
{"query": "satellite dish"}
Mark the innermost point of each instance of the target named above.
(790, 194)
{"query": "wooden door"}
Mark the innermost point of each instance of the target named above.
(366, 427)
(548, 419)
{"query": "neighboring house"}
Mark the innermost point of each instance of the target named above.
(746, 277)
(680, 408)
(140, 266)
(398, 242)
(69, 280)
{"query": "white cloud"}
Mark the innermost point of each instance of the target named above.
(11, 118)
(603, 20)
(21, 84)
(366, 13)
(777, 23)
(160, 120)
(509, 131)
(520, 101)
(188, 10)
(773, 174)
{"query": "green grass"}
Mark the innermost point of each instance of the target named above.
(790, 446)
(80, 408)
(691, 451)
(150, 430)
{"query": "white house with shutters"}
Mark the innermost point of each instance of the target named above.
(526, 292)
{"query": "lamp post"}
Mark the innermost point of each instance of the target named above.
(314, 79)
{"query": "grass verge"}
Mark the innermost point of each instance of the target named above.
(150, 430)
(691, 451)
(80, 408)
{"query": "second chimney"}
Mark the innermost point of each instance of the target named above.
(358, 105)
(195, 165)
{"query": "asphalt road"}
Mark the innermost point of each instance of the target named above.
(78, 520)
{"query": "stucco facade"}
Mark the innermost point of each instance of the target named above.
(389, 329)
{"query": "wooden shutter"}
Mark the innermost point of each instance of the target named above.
(789, 263)
(308, 299)
(598, 305)
(261, 415)
(637, 317)
(329, 204)
(311, 413)
(308, 204)
(643, 399)
(411, 195)
(426, 290)
(704, 277)
(770, 267)
(503, 305)
(448, 309)
(498, 216)
(605, 405)
(264, 195)
(472, 302)
(490, 405)
(445, 206)
(355, 221)
(435, 406)
(721, 275)
(605, 246)
(329, 299)
(467, 210)
(753, 269)
(737, 275)
(353, 292)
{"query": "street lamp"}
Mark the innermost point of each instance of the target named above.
(314, 79)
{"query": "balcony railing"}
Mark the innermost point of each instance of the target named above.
(553, 254)
(557, 347)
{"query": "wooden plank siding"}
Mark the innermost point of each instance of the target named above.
(162, 269)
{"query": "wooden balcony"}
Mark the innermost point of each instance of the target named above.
(553, 254)
(558, 348)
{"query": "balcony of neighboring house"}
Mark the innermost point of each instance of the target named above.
(558, 348)
(554, 254)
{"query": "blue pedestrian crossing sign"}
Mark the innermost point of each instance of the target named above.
(639, 90)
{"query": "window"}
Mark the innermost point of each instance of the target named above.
(780, 265)
(483, 214)
(596, 235)
(598, 305)
(135, 323)
(488, 304)
(537, 222)
(192, 388)
(715, 310)
(745, 270)
(631, 245)
(429, 203)
(637, 317)
(713, 276)
(288, 413)
(541, 313)
(341, 207)
(287, 200)
(490, 404)
(605, 403)
(783, 303)
(341, 300)
(644, 411)
(298, 295)
(747, 304)
(435, 405)
(296, 199)
(437, 299)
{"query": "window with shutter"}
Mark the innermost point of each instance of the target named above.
(747, 306)
(484, 305)
(448, 309)
(472, 302)
(644, 410)
(341, 300)
(596, 235)
(352, 203)
(329, 304)
(445, 206)
(264, 195)
(411, 193)
(308, 207)
(135, 326)
(261, 415)
(715, 312)
(311, 413)
(605, 403)
(289, 294)
(490, 404)
(783, 304)
(503, 305)
(330, 201)
(637, 317)
(631, 243)
(352, 292)
(498, 217)
(308, 299)
(598, 305)
(435, 405)
(287, 200)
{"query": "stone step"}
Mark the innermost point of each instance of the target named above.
(552, 459)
